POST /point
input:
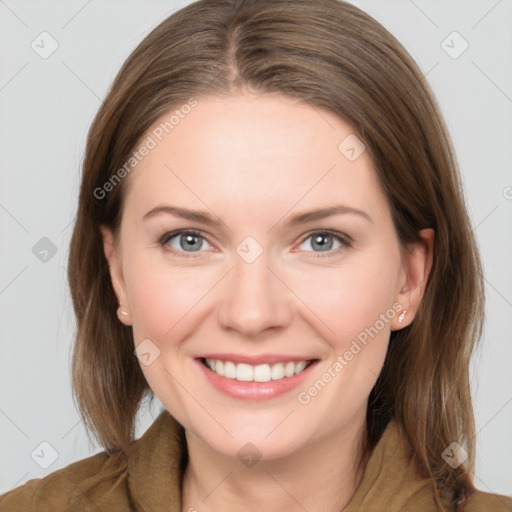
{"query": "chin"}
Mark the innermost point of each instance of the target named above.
(248, 447)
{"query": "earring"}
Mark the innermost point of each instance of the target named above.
(122, 311)
(402, 316)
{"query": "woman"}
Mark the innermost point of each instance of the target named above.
(239, 142)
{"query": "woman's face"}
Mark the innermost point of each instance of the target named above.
(261, 282)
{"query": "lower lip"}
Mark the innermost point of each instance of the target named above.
(254, 390)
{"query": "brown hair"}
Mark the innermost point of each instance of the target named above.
(334, 56)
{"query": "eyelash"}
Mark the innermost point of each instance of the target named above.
(345, 241)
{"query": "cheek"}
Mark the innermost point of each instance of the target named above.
(350, 299)
(163, 296)
(355, 303)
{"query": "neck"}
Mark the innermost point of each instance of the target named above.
(213, 482)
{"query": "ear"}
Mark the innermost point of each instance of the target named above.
(417, 263)
(116, 274)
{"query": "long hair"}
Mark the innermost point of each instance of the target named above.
(336, 57)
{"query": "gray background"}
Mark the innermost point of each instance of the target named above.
(47, 106)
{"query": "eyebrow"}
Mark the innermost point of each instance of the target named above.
(297, 219)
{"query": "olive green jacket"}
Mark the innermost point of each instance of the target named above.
(150, 481)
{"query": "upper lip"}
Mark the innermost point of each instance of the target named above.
(255, 360)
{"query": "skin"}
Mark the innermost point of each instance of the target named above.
(253, 161)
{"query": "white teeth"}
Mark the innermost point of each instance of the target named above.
(277, 372)
(289, 369)
(229, 370)
(261, 373)
(299, 367)
(244, 372)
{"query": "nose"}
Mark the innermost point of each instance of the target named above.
(254, 298)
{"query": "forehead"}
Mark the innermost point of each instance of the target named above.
(251, 154)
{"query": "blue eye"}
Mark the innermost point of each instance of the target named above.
(318, 240)
(186, 240)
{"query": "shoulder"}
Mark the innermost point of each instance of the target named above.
(480, 501)
(94, 483)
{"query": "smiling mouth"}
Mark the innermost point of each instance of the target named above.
(244, 372)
